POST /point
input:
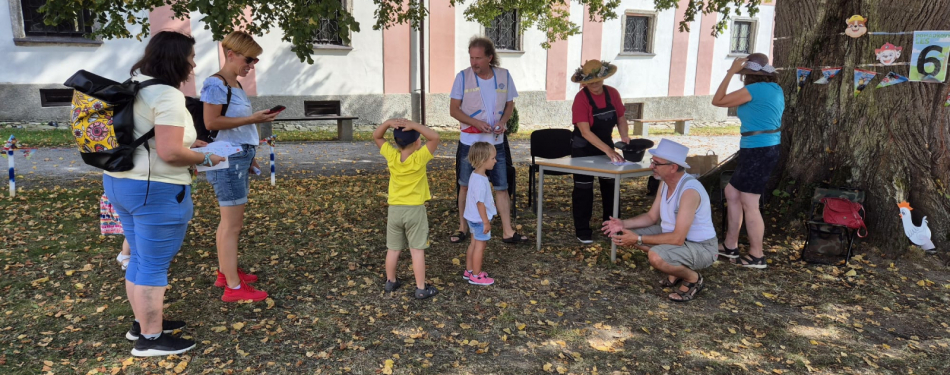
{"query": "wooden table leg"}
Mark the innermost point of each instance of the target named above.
(344, 130)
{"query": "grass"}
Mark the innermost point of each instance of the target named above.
(318, 245)
(40, 138)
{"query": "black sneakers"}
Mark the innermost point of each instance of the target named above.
(168, 326)
(392, 285)
(585, 239)
(165, 344)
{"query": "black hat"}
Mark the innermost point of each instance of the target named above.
(405, 137)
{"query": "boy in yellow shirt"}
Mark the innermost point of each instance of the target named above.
(407, 224)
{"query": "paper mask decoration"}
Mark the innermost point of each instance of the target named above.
(802, 74)
(888, 53)
(928, 61)
(920, 236)
(861, 80)
(891, 79)
(827, 74)
(857, 26)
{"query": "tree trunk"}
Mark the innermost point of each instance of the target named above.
(891, 142)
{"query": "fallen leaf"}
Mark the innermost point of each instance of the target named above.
(237, 326)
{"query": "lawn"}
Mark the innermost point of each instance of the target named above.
(318, 245)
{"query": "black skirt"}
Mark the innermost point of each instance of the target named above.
(754, 168)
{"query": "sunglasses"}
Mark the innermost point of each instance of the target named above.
(251, 60)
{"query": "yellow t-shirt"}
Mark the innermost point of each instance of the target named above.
(408, 184)
(162, 105)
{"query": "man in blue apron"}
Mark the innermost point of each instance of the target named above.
(596, 111)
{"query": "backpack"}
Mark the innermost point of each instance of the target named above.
(841, 211)
(102, 121)
(196, 109)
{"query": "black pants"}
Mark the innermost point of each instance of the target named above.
(582, 199)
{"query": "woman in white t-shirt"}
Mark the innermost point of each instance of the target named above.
(154, 197)
(231, 185)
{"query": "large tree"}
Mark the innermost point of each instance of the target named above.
(300, 19)
(891, 142)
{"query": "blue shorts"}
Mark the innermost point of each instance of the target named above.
(498, 176)
(155, 226)
(476, 230)
(231, 185)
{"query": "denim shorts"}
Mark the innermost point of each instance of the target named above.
(476, 230)
(154, 225)
(231, 185)
(498, 176)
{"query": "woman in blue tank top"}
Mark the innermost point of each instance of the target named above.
(760, 106)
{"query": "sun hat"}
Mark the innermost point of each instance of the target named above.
(757, 64)
(671, 151)
(405, 137)
(593, 71)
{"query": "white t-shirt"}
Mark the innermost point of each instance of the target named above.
(488, 100)
(161, 105)
(479, 190)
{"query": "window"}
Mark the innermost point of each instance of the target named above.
(743, 37)
(33, 25)
(329, 32)
(732, 112)
(637, 34)
(56, 97)
(505, 32)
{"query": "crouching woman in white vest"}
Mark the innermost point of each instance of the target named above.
(482, 100)
(684, 241)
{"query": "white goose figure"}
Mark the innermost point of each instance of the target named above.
(920, 236)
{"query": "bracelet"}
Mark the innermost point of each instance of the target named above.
(207, 161)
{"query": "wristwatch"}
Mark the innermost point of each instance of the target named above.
(639, 240)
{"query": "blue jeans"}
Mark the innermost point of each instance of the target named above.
(476, 230)
(231, 185)
(498, 175)
(154, 225)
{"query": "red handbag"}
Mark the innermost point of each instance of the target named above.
(840, 211)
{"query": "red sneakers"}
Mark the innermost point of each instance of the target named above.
(223, 282)
(246, 292)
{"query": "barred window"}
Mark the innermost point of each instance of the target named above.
(328, 32)
(33, 24)
(742, 37)
(505, 32)
(636, 35)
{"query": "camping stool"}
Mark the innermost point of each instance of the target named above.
(833, 235)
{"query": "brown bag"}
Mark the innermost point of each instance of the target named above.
(700, 164)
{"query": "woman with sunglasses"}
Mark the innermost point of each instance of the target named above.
(760, 103)
(235, 122)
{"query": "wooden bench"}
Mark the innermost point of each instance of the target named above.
(640, 126)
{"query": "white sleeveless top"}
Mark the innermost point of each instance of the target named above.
(702, 228)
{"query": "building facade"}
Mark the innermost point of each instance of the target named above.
(663, 73)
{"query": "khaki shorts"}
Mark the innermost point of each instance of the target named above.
(693, 255)
(407, 227)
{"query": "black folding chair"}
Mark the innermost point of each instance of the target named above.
(825, 243)
(548, 144)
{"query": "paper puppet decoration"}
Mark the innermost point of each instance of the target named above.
(888, 53)
(826, 75)
(857, 26)
(861, 80)
(802, 74)
(928, 59)
(920, 236)
(13, 144)
(891, 79)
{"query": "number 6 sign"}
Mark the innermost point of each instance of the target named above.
(928, 63)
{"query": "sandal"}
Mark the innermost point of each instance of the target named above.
(666, 283)
(459, 237)
(426, 292)
(728, 253)
(691, 291)
(750, 261)
(515, 238)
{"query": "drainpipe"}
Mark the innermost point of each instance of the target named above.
(422, 67)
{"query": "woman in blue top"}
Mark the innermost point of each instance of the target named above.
(236, 125)
(761, 104)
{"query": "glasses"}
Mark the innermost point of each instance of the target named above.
(653, 163)
(251, 60)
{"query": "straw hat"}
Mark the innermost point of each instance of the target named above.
(593, 71)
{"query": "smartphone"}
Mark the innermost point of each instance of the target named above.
(276, 109)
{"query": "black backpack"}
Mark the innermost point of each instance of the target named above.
(196, 109)
(102, 121)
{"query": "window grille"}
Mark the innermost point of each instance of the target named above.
(504, 31)
(742, 37)
(636, 36)
(33, 24)
(328, 32)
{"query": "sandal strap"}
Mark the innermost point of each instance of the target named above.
(749, 259)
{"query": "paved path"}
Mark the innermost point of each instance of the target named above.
(62, 166)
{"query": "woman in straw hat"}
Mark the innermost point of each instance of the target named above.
(760, 103)
(596, 111)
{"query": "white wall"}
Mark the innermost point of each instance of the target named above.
(55, 64)
(722, 59)
(692, 55)
(640, 76)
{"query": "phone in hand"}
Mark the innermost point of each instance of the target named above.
(276, 109)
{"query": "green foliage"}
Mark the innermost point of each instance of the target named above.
(512, 125)
(299, 20)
